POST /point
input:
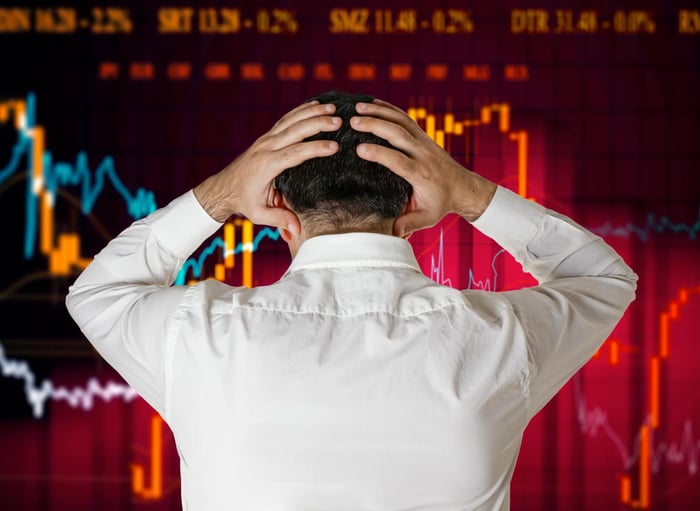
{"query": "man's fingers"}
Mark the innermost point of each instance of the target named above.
(396, 135)
(392, 159)
(293, 155)
(302, 129)
(381, 102)
(304, 111)
(388, 112)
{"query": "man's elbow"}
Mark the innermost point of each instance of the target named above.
(72, 302)
(626, 283)
(78, 302)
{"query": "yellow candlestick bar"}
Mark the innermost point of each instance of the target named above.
(230, 244)
(430, 126)
(486, 114)
(440, 138)
(449, 123)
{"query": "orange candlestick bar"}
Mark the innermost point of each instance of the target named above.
(521, 138)
(654, 391)
(504, 119)
(247, 253)
(644, 467)
(625, 490)
(37, 133)
(138, 478)
(663, 334)
(46, 232)
(614, 352)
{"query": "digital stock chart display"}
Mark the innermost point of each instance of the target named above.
(110, 110)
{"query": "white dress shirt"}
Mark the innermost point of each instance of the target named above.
(354, 382)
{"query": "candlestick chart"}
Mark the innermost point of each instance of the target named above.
(107, 114)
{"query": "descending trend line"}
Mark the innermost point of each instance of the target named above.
(452, 126)
(77, 397)
(651, 226)
(45, 177)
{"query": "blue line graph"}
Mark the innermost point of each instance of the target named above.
(652, 225)
(19, 150)
(61, 174)
(196, 264)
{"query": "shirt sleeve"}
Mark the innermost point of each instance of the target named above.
(584, 288)
(123, 301)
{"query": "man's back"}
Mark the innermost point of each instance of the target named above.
(355, 381)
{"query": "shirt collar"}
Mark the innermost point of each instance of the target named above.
(354, 249)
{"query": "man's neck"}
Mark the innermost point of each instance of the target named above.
(385, 226)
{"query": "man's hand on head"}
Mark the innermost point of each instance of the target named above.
(245, 185)
(440, 184)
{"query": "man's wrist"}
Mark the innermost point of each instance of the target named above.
(216, 198)
(475, 196)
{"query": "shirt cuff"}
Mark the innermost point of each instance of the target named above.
(510, 220)
(182, 225)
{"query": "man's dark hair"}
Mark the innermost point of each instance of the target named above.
(343, 189)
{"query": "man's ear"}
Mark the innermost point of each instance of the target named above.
(285, 234)
(410, 206)
(280, 202)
